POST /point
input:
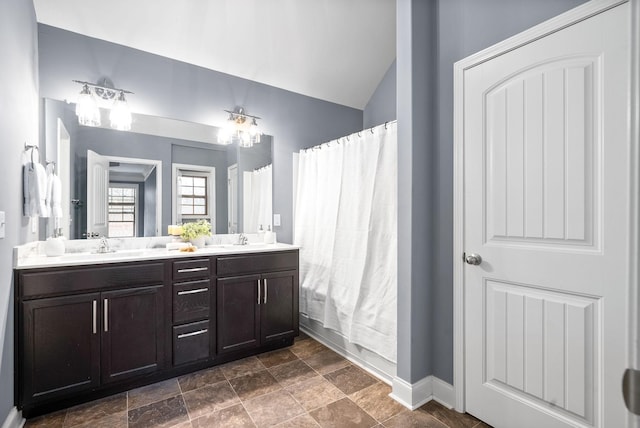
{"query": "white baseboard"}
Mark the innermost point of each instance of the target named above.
(14, 419)
(414, 395)
(444, 393)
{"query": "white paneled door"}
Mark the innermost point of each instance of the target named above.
(546, 185)
(97, 195)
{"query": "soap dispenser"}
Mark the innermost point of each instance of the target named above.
(269, 236)
(261, 234)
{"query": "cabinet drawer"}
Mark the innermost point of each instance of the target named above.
(190, 342)
(191, 269)
(257, 263)
(191, 300)
(70, 280)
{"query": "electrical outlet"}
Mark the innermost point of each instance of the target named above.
(2, 225)
(276, 220)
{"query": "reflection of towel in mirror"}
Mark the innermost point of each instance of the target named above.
(54, 195)
(34, 190)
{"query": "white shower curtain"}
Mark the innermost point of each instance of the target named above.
(346, 225)
(258, 196)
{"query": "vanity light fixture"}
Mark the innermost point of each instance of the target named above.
(88, 105)
(240, 127)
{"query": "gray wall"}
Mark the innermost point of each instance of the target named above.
(382, 104)
(19, 124)
(169, 88)
(461, 27)
(416, 68)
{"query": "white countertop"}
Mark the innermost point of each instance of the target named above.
(33, 261)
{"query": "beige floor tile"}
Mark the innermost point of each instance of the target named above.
(343, 414)
(254, 384)
(242, 367)
(350, 379)
(306, 348)
(166, 413)
(302, 421)
(375, 400)
(449, 417)
(273, 408)
(51, 420)
(209, 399)
(409, 419)
(95, 410)
(314, 393)
(326, 361)
(201, 378)
(151, 393)
(234, 416)
(293, 372)
(275, 358)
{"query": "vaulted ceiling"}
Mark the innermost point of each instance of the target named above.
(335, 50)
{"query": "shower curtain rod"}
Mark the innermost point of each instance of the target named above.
(261, 168)
(347, 137)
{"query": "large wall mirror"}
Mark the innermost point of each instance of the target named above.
(164, 171)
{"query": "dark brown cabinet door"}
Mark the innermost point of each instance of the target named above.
(132, 333)
(279, 306)
(237, 313)
(61, 346)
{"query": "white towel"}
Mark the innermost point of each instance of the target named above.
(34, 190)
(41, 189)
(54, 195)
(29, 190)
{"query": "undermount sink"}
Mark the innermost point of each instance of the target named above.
(249, 246)
(96, 255)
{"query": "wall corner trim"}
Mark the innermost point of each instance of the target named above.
(14, 419)
(414, 395)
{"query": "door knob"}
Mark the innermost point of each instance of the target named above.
(473, 259)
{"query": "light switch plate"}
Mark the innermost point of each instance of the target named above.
(276, 220)
(2, 225)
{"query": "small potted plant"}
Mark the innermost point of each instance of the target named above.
(196, 232)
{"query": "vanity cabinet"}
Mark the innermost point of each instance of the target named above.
(77, 340)
(256, 309)
(83, 332)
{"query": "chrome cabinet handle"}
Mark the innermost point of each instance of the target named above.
(193, 333)
(106, 315)
(258, 291)
(265, 291)
(95, 317)
(199, 290)
(198, 269)
(473, 259)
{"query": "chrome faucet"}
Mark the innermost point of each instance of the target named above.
(242, 240)
(103, 245)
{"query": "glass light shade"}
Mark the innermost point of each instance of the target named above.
(120, 115)
(87, 108)
(244, 139)
(224, 137)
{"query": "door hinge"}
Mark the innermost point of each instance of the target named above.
(631, 390)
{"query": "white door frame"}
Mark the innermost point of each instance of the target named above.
(548, 27)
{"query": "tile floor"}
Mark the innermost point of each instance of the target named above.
(305, 385)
